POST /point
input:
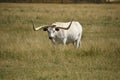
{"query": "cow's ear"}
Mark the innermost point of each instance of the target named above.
(57, 29)
(45, 29)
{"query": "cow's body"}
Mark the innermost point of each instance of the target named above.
(59, 33)
(72, 35)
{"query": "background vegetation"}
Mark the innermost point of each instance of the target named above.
(61, 1)
(29, 55)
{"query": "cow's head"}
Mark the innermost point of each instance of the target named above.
(51, 29)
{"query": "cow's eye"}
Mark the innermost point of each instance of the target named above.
(57, 29)
(44, 29)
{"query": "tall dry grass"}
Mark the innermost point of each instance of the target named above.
(29, 55)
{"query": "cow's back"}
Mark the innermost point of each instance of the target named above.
(72, 33)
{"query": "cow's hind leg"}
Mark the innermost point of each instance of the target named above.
(75, 43)
(79, 40)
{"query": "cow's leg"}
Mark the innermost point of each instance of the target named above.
(53, 41)
(79, 40)
(64, 41)
(75, 43)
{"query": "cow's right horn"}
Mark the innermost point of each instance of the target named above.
(38, 28)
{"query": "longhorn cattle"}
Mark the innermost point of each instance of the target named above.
(63, 32)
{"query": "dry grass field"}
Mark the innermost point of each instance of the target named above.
(29, 55)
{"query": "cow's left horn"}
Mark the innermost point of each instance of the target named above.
(66, 27)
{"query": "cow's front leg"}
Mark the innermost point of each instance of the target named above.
(53, 41)
(64, 41)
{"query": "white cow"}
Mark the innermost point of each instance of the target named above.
(63, 32)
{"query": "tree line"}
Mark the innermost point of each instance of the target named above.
(57, 1)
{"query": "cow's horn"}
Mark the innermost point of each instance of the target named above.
(66, 27)
(38, 28)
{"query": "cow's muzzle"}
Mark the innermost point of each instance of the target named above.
(50, 38)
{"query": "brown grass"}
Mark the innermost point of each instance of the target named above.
(29, 55)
